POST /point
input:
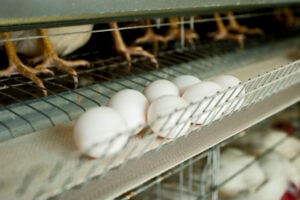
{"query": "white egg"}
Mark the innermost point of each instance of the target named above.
(100, 131)
(203, 109)
(160, 88)
(132, 105)
(185, 81)
(226, 81)
(165, 121)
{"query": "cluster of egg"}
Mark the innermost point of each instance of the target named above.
(164, 106)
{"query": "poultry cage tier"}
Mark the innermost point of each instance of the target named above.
(51, 166)
(238, 172)
(22, 99)
(56, 13)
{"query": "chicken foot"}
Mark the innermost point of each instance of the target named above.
(235, 26)
(151, 37)
(16, 66)
(125, 51)
(223, 34)
(51, 59)
(174, 32)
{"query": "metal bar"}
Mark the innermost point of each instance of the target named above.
(35, 14)
(181, 182)
(157, 180)
(43, 99)
(215, 171)
(182, 38)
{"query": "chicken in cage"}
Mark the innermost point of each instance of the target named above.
(93, 108)
(247, 169)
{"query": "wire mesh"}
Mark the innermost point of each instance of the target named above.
(65, 104)
(199, 177)
(179, 182)
(61, 178)
(21, 116)
(27, 111)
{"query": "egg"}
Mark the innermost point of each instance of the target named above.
(100, 131)
(166, 120)
(132, 105)
(160, 88)
(185, 81)
(196, 96)
(226, 81)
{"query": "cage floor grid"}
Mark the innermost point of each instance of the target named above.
(46, 163)
(21, 116)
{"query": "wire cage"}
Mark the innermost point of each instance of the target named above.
(205, 176)
(50, 164)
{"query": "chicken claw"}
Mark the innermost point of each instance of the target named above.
(151, 37)
(236, 27)
(51, 59)
(128, 51)
(16, 66)
(223, 34)
(174, 32)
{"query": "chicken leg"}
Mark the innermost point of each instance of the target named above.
(16, 66)
(236, 27)
(290, 19)
(51, 59)
(223, 34)
(174, 32)
(151, 37)
(128, 51)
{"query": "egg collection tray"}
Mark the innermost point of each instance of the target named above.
(45, 163)
(200, 176)
(25, 111)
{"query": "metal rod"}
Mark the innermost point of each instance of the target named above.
(215, 171)
(182, 33)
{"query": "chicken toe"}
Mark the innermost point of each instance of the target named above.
(127, 52)
(16, 66)
(151, 37)
(236, 27)
(223, 34)
(51, 59)
(174, 32)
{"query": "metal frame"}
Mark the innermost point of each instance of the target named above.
(23, 117)
(77, 177)
(140, 164)
(201, 171)
(33, 13)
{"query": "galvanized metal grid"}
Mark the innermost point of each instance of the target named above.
(194, 179)
(25, 111)
(56, 108)
(181, 182)
(257, 89)
(198, 177)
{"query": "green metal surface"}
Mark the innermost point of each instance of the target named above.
(20, 14)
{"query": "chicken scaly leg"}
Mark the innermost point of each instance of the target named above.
(128, 51)
(174, 32)
(151, 37)
(289, 18)
(51, 59)
(223, 34)
(16, 66)
(235, 26)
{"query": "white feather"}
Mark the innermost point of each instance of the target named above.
(231, 162)
(259, 141)
(296, 163)
(63, 44)
(279, 172)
